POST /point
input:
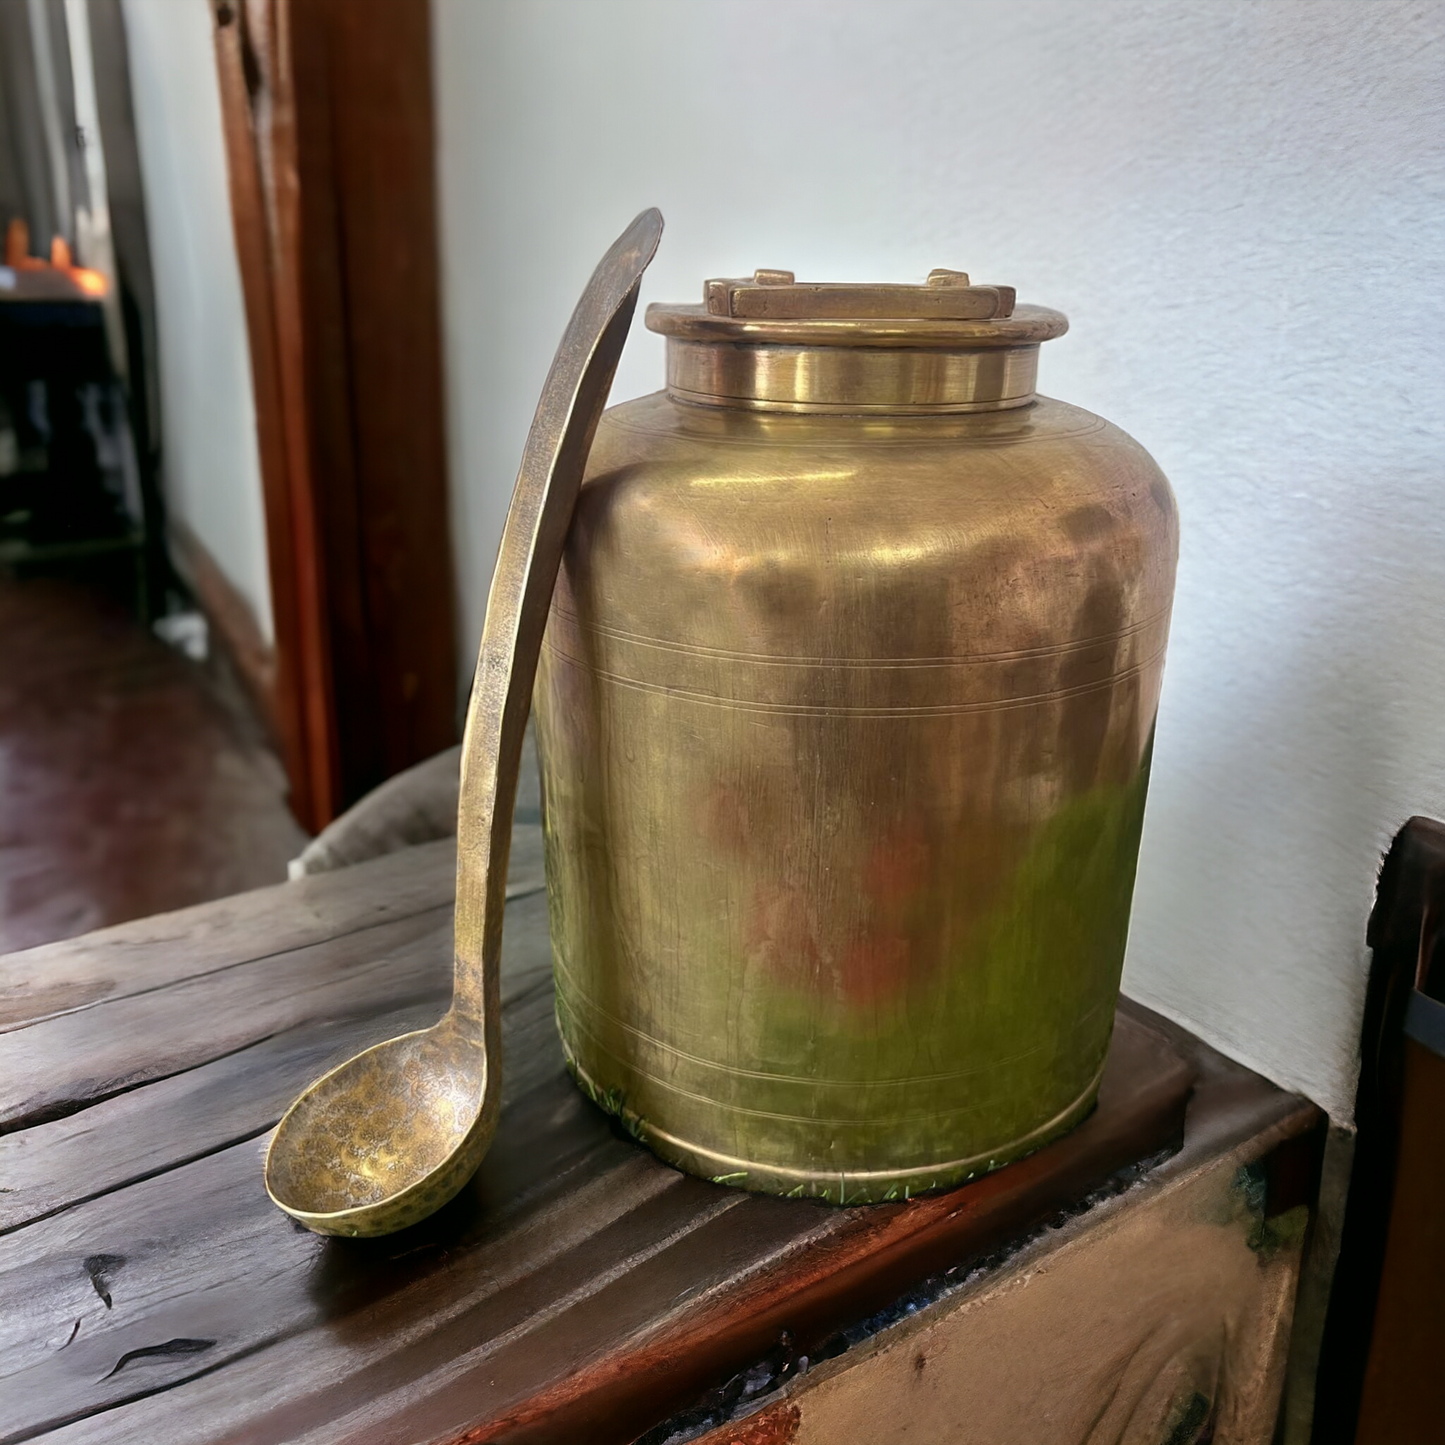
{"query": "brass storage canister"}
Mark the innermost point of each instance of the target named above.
(845, 711)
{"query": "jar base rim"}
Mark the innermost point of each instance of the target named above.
(881, 1186)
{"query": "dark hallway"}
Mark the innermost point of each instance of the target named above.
(133, 780)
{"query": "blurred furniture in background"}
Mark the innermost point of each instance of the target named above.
(1384, 1340)
(416, 806)
(62, 502)
(79, 488)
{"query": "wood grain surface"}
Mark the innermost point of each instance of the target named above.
(577, 1290)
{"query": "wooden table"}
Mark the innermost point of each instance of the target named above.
(578, 1290)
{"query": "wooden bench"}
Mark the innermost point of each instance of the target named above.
(579, 1290)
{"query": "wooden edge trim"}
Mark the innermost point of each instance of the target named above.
(232, 621)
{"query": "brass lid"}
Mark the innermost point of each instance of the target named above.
(774, 343)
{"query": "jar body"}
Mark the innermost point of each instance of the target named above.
(844, 726)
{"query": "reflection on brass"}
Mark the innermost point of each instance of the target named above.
(388, 1137)
(845, 710)
(854, 366)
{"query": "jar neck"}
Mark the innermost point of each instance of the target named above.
(896, 380)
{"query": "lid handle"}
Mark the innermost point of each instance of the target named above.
(779, 296)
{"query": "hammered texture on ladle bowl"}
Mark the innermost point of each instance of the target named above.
(383, 1147)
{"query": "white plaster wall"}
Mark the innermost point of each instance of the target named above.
(210, 463)
(1240, 207)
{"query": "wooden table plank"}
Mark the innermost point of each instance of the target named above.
(66, 1063)
(577, 1289)
(150, 953)
(183, 1114)
(177, 1119)
(72, 1059)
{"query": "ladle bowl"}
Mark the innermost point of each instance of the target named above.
(384, 1139)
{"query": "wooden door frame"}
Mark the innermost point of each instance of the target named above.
(327, 112)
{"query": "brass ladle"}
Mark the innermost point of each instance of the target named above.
(389, 1136)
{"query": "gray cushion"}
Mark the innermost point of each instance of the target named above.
(416, 806)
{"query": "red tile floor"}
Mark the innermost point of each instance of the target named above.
(132, 780)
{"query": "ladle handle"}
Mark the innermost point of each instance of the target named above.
(548, 481)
